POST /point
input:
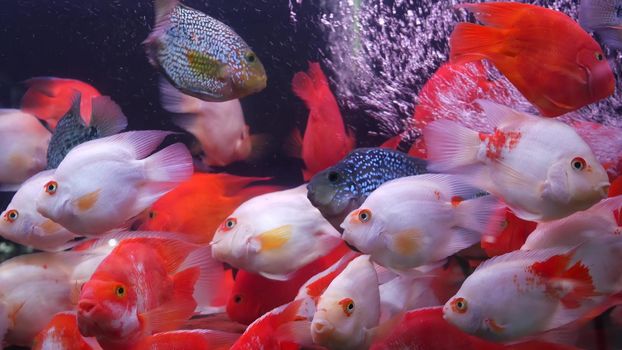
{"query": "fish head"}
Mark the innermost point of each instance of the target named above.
(26, 226)
(246, 298)
(333, 192)
(107, 308)
(362, 228)
(349, 307)
(599, 76)
(462, 312)
(231, 241)
(247, 74)
(54, 200)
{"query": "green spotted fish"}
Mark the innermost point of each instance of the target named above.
(202, 56)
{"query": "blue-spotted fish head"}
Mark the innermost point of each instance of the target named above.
(334, 191)
(248, 75)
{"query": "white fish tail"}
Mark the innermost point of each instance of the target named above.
(450, 145)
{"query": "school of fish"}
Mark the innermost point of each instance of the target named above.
(500, 230)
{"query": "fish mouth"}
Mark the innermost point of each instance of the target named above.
(321, 328)
(603, 189)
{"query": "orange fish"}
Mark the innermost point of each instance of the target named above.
(523, 42)
(198, 206)
(146, 285)
(253, 295)
(188, 339)
(326, 140)
(62, 333)
(514, 234)
(50, 98)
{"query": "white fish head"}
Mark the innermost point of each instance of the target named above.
(362, 229)
(54, 200)
(463, 312)
(348, 308)
(230, 242)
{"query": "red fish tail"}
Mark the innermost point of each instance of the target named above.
(472, 42)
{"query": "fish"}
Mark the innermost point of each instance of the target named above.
(602, 219)
(200, 204)
(106, 119)
(50, 98)
(558, 286)
(515, 231)
(418, 220)
(349, 308)
(21, 222)
(425, 329)
(326, 139)
(188, 339)
(509, 163)
(342, 188)
(201, 56)
(219, 127)
(24, 142)
(62, 333)
(102, 184)
(254, 295)
(603, 17)
(515, 37)
(147, 285)
(276, 242)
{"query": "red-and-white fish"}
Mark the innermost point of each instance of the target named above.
(188, 339)
(62, 333)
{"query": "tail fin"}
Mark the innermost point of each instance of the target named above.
(172, 164)
(484, 214)
(214, 283)
(472, 42)
(107, 116)
(308, 85)
(450, 145)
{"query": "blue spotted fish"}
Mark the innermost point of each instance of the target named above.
(201, 56)
(604, 17)
(342, 188)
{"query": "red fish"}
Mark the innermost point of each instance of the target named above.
(514, 234)
(62, 333)
(50, 98)
(523, 42)
(188, 339)
(425, 329)
(253, 295)
(198, 206)
(146, 285)
(326, 140)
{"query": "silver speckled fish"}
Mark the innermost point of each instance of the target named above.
(202, 56)
(106, 119)
(603, 17)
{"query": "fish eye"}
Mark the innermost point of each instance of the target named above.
(51, 187)
(459, 305)
(578, 163)
(364, 215)
(229, 224)
(347, 305)
(11, 215)
(119, 291)
(599, 56)
(333, 176)
(152, 214)
(237, 298)
(250, 57)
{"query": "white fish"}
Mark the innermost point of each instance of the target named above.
(218, 126)
(418, 220)
(274, 234)
(102, 184)
(526, 293)
(597, 221)
(540, 167)
(24, 144)
(22, 223)
(349, 310)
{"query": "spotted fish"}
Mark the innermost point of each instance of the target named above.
(202, 56)
(342, 188)
(107, 119)
(603, 17)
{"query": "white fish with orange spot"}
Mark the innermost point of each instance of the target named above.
(557, 287)
(274, 234)
(24, 144)
(102, 184)
(349, 309)
(418, 220)
(602, 219)
(540, 167)
(22, 223)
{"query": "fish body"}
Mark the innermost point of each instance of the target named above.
(103, 183)
(22, 223)
(509, 163)
(278, 241)
(518, 37)
(50, 98)
(62, 333)
(326, 140)
(342, 188)
(106, 119)
(24, 143)
(188, 339)
(515, 231)
(603, 17)
(202, 56)
(418, 220)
